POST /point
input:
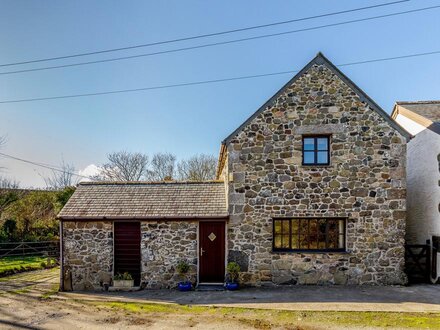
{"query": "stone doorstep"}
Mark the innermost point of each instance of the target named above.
(210, 287)
(123, 289)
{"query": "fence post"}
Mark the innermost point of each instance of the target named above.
(428, 261)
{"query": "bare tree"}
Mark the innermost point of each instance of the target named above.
(64, 177)
(2, 143)
(8, 183)
(124, 166)
(162, 167)
(197, 168)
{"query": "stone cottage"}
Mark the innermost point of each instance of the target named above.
(310, 190)
(422, 120)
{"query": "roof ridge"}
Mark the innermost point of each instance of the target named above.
(418, 102)
(141, 183)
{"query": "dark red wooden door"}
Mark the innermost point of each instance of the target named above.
(128, 249)
(212, 252)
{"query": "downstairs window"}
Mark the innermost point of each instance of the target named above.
(309, 234)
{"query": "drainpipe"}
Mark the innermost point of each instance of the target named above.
(61, 257)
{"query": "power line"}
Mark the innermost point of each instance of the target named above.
(50, 167)
(219, 43)
(203, 82)
(204, 35)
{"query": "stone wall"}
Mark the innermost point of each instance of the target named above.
(88, 253)
(163, 245)
(365, 183)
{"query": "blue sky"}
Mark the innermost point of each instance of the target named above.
(185, 120)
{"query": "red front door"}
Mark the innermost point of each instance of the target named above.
(212, 252)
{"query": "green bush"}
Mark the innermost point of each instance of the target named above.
(123, 277)
(233, 271)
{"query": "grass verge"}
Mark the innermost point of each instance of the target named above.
(13, 265)
(267, 319)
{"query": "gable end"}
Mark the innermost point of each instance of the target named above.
(320, 59)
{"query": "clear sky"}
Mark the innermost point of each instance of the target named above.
(194, 119)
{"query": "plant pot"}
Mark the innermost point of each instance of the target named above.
(123, 283)
(184, 286)
(231, 286)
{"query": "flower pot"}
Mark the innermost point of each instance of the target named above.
(231, 286)
(184, 286)
(123, 283)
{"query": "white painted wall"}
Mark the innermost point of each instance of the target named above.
(409, 124)
(423, 191)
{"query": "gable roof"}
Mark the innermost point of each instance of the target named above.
(425, 113)
(320, 59)
(141, 200)
(428, 109)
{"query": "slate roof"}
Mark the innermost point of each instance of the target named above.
(141, 200)
(428, 109)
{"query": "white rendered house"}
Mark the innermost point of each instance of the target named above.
(422, 120)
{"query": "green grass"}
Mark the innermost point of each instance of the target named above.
(53, 290)
(12, 265)
(267, 319)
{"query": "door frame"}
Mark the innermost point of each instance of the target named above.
(198, 247)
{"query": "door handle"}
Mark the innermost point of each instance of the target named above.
(201, 251)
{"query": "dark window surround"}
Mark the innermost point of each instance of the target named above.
(316, 150)
(297, 249)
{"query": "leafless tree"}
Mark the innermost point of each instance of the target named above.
(2, 143)
(162, 167)
(64, 177)
(8, 183)
(197, 168)
(124, 166)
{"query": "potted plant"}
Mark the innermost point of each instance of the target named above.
(233, 270)
(183, 268)
(123, 280)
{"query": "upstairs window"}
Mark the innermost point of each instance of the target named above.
(316, 150)
(309, 234)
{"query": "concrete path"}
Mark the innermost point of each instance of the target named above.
(417, 298)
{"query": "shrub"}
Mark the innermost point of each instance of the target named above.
(182, 268)
(233, 271)
(124, 277)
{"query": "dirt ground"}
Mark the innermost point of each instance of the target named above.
(31, 301)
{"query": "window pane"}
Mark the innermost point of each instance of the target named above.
(322, 228)
(323, 143)
(333, 234)
(277, 242)
(309, 144)
(313, 234)
(322, 157)
(304, 239)
(277, 228)
(295, 241)
(285, 229)
(295, 227)
(309, 157)
(285, 242)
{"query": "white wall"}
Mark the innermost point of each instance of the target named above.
(423, 191)
(410, 125)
